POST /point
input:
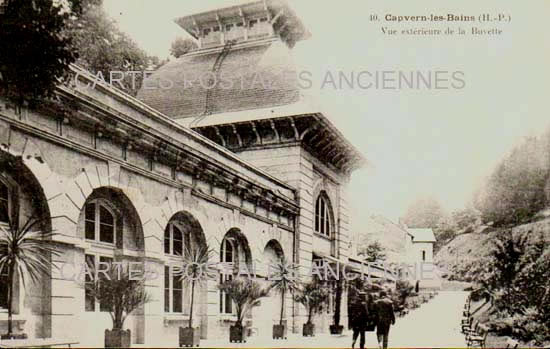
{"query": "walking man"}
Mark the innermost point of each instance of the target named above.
(385, 318)
(358, 320)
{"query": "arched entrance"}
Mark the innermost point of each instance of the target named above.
(269, 311)
(22, 201)
(183, 233)
(112, 231)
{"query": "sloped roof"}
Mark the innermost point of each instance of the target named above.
(422, 235)
(243, 76)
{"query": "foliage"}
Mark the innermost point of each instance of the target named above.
(245, 294)
(36, 51)
(119, 292)
(195, 261)
(284, 277)
(515, 191)
(374, 252)
(403, 290)
(423, 213)
(25, 253)
(105, 50)
(518, 280)
(313, 296)
(182, 46)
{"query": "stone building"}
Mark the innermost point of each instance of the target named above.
(253, 172)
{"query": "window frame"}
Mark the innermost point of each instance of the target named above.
(169, 276)
(97, 259)
(225, 302)
(185, 238)
(324, 220)
(99, 203)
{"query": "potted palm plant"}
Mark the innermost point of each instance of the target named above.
(121, 294)
(284, 278)
(245, 294)
(312, 296)
(194, 272)
(25, 253)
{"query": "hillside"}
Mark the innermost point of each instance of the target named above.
(463, 255)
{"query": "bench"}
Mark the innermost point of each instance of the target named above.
(36, 343)
(466, 325)
(478, 338)
(511, 343)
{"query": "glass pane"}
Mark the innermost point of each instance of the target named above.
(105, 217)
(89, 281)
(178, 297)
(90, 230)
(4, 289)
(106, 233)
(228, 251)
(90, 265)
(4, 211)
(167, 241)
(90, 212)
(178, 247)
(228, 305)
(166, 300)
(166, 289)
(89, 302)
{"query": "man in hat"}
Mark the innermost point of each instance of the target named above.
(358, 318)
(385, 318)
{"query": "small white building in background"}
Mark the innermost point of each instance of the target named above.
(420, 254)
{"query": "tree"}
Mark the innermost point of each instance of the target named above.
(106, 51)
(119, 292)
(245, 294)
(195, 262)
(515, 191)
(25, 253)
(182, 46)
(313, 297)
(423, 213)
(284, 278)
(36, 51)
(374, 252)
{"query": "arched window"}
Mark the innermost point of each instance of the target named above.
(228, 255)
(100, 222)
(174, 240)
(4, 203)
(323, 216)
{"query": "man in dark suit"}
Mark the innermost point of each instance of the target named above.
(385, 318)
(358, 318)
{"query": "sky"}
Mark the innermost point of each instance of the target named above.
(427, 142)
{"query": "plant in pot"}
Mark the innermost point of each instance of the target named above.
(195, 272)
(25, 257)
(121, 292)
(312, 296)
(284, 278)
(245, 295)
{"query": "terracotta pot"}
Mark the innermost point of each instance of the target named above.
(118, 339)
(279, 331)
(336, 329)
(237, 334)
(308, 330)
(189, 337)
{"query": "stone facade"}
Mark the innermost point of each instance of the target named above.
(113, 178)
